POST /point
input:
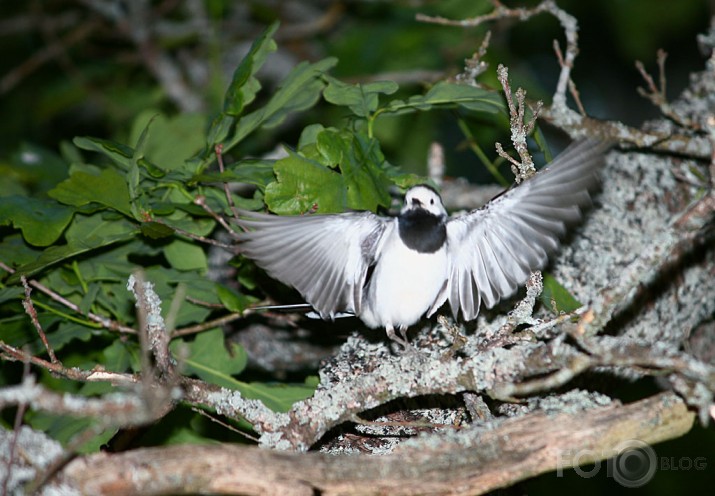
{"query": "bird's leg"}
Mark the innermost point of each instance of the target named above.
(401, 339)
(403, 334)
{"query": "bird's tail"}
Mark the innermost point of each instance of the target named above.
(300, 307)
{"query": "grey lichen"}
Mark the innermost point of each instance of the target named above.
(33, 453)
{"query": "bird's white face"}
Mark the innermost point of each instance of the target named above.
(425, 198)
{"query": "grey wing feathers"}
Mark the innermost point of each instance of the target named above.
(493, 250)
(324, 257)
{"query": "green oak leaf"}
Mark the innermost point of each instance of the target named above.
(244, 86)
(183, 255)
(208, 358)
(360, 161)
(119, 153)
(556, 297)
(449, 95)
(303, 185)
(41, 221)
(362, 99)
(109, 188)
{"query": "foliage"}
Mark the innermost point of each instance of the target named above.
(108, 208)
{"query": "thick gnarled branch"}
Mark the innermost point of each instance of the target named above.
(471, 461)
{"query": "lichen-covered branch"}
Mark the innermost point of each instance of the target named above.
(567, 21)
(121, 409)
(470, 461)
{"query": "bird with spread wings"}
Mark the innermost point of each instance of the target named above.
(392, 271)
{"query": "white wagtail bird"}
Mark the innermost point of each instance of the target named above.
(392, 271)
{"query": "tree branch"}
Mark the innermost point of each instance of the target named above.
(480, 459)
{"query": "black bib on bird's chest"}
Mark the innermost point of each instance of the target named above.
(422, 231)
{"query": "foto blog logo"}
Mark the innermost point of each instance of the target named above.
(632, 463)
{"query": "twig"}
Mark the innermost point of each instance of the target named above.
(711, 135)
(117, 408)
(224, 424)
(102, 321)
(522, 170)
(654, 94)
(612, 352)
(209, 324)
(567, 21)
(508, 392)
(572, 86)
(522, 313)
(154, 336)
(190, 235)
(219, 158)
(203, 303)
(70, 451)
(453, 330)
(657, 94)
(405, 424)
(19, 414)
(177, 301)
(499, 12)
(476, 407)
(98, 374)
(234, 405)
(475, 65)
(570, 25)
(435, 163)
(30, 309)
(519, 128)
(201, 201)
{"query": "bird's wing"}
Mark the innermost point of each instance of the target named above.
(493, 250)
(325, 257)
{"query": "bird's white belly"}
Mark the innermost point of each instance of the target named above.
(404, 286)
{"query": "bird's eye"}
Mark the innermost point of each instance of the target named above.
(431, 202)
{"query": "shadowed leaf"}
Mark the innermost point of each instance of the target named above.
(556, 297)
(209, 359)
(41, 221)
(109, 188)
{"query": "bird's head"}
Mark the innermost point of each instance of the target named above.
(426, 198)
